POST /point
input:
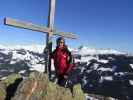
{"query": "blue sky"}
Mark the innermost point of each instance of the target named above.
(98, 23)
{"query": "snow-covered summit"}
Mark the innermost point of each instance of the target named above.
(33, 47)
(92, 51)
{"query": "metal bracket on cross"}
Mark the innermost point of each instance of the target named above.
(48, 30)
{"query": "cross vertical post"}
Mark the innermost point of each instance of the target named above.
(46, 30)
(50, 25)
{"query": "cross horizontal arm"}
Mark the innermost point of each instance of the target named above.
(25, 25)
(30, 26)
(66, 35)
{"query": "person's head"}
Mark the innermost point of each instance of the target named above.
(60, 42)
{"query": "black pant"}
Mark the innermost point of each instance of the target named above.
(64, 82)
(61, 80)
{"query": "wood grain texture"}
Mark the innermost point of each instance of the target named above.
(25, 25)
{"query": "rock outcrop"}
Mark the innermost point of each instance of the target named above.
(9, 85)
(2, 91)
(38, 87)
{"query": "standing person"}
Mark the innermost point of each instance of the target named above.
(63, 61)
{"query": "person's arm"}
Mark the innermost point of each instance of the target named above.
(52, 54)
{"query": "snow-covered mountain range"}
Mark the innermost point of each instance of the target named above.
(92, 51)
(100, 71)
(33, 47)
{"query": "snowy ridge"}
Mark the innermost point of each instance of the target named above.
(92, 51)
(82, 51)
(105, 71)
(20, 60)
(33, 47)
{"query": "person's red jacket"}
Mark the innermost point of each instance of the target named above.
(62, 59)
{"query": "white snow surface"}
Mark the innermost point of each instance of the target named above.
(131, 66)
(87, 58)
(38, 67)
(131, 82)
(104, 69)
(22, 71)
(109, 78)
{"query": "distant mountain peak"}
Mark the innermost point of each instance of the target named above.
(33, 47)
(84, 50)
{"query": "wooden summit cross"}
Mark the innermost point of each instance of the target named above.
(49, 30)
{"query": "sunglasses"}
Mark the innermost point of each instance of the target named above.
(61, 42)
